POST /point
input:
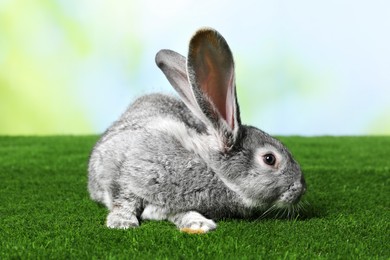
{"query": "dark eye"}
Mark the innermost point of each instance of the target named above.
(269, 159)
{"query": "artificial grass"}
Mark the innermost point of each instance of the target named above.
(45, 211)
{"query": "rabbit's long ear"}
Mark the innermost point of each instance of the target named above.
(173, 65)
(210, 68)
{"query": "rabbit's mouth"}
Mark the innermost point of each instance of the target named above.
(293, 193)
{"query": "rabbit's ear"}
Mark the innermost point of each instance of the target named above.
(210, 67)
(173, 65)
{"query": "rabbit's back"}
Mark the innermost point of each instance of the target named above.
(147, 109)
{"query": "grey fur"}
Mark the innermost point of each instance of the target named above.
(179, 160)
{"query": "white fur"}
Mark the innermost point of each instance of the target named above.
(107, 200)
(192, 141)
(195, 221)
(152, 212)
(122, 219)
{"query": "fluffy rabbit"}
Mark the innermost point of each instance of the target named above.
(190, 160)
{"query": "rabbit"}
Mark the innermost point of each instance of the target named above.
(189, 160)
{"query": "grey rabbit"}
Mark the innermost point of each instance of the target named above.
(190, 160)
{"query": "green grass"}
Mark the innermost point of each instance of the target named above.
(45, 211)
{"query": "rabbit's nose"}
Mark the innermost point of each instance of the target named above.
(303, 183)
(298, 187)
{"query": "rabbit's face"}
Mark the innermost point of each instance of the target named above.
(263, 171)
(274, 163)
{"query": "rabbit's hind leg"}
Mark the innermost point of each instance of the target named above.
(192, 222)
(123, 214)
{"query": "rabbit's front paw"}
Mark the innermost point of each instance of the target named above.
(120, 221)
(193, 223)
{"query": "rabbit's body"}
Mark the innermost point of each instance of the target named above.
(159, 170)
(190, 158)
(143, 150)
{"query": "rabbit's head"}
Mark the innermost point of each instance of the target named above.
(250, 162)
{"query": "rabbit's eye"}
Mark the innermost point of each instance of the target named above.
(269, 159)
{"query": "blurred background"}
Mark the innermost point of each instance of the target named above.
(302, 67)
